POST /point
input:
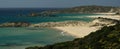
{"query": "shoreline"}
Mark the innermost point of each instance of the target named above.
(116, 17)
(77, 31)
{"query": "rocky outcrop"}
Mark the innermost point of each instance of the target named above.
(41, 15)
(15, 24)
(104, 22)
(96, 22)
(38, 15)
(58, 24)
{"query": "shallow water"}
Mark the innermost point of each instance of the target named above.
(23, 37)
(39, 19)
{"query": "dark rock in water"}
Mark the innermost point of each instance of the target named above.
(39, 15)
(15, 24)
(11, 44)
(21, 15)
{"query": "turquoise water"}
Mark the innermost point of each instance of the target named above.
(38, 19)
(19, 38)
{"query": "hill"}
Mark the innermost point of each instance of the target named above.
(85, 9)
(106, 38)
(79, 9)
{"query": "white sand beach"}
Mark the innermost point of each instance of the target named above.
(78, 31)
(83, 30)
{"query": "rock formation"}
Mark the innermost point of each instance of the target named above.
(15, 24)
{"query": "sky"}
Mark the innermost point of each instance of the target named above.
(55, 3)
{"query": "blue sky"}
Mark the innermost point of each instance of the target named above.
(55, 3)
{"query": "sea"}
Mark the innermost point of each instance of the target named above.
(22, 37)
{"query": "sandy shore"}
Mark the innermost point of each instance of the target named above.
(83, 30)
(78, 31)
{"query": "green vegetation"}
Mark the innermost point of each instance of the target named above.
(85, 9)
(79, 9)
(106, 38)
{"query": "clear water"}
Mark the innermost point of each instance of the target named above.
(38, 19)
(19, 38)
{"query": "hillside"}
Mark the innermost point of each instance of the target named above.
(106, 38)
(79, 9)
(86, 9)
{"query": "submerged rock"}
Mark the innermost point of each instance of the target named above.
(58, 24)
(15, 24)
